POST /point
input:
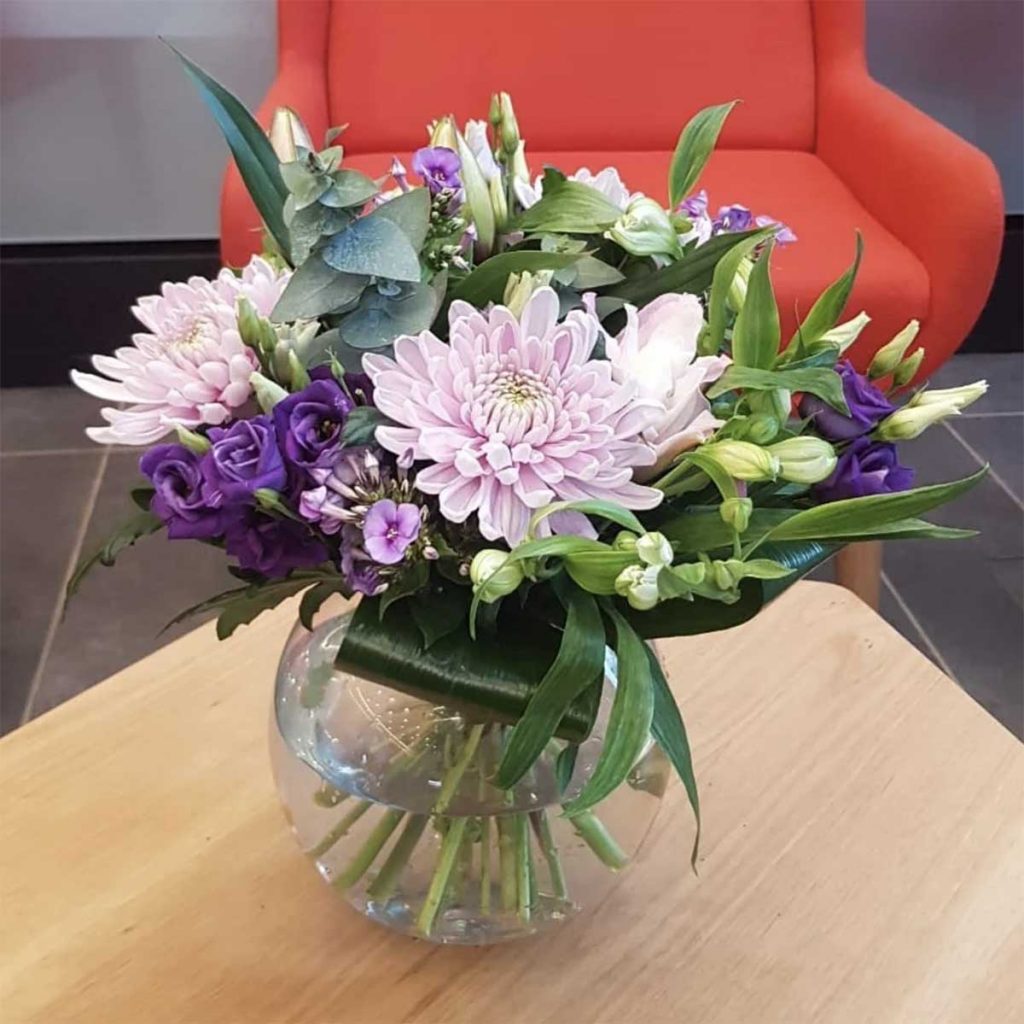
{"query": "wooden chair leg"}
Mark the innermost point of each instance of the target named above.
(859, 568)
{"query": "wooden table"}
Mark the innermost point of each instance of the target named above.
(863, 859)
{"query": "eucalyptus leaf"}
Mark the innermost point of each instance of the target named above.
(756, 333)
(821, 381)
(305, 184)
(316, 289)
(696, 143)
(486, 282)
(306, 228)
(411, 212)
(348, 188)
(375, 246)
(361, 425)
(378, 318)
(568, 207)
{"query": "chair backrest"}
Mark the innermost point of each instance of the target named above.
(584, 74)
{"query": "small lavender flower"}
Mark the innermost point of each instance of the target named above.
(733, 218)
(783, 234)
(439, 168)
(398, 172)
(696, 205)
(389, 529)
(360, 573)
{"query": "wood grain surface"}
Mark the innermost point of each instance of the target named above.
(863, 857)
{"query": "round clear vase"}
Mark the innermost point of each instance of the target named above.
(393, 800)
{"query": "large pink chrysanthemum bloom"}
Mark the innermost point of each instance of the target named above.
(190, 366)
(514, 414)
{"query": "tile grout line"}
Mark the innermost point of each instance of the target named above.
(63, 451)
(55, 618)
(982, 461)
(933, 650)
(988, 415)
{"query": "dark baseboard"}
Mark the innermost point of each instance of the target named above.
(61, 302)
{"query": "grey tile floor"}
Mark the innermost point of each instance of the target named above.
(960, 603)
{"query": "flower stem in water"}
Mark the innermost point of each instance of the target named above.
(485, 865)
(439, 883)
(542, 827)
(591, 830)
(384, 884)
(454, 774)
(524, 865)
(367, 853)
(341, 828)
(507, 862)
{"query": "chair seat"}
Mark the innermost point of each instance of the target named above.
(799, 189)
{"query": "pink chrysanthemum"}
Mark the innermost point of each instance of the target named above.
(190, 367)
(514, 414)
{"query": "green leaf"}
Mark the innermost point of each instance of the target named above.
(693, 273)
(305, 184)
(756, 334)
(478, 197)
(306, 228)
(716, 474)
(565, 765)
(316, 289)
(412, 580)
(255, 157)
(696, 143)
(486, 282)
(820, 380)
(491, 678)
(375, 246)
(349, 188)
(596, 570)
(721, 281)
(380, 318)
(668, 729)
(141, 524)
(590, 272)
(629, 722)
(361, 425)
(826, 311)
(578, 665)
(440, 611)
(589, 507)
(243, 608)
(313, 599)
(568, 207)
(411, 212)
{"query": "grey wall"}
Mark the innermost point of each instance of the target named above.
(102, 138)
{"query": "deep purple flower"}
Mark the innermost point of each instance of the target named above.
(695, 205)
(733, 218)
(244, 457)
(865, 467)
(180, 497)
(272, 546)
(866, 403)
(439, 168)
(359, 572)
(389, 529)
(309, 424)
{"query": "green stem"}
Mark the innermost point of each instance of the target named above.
(592, 831)
(384, 884)
(367, 853)
(439, 883)
(341, 829)
(523, 866)
(542, 827)
(485, 865)
(454, 774)
(507, 862)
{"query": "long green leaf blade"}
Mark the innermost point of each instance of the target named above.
(568, 207)
(827, 309)
(486, 283)
(578, 664)
(816, 380)
(721, 281)
(756, 334)
(696, 143)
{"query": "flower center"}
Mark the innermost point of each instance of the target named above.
(191, 335)
(518, 388)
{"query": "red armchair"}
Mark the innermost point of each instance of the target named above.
(816, 143)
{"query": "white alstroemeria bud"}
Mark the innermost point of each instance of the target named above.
(624, 541)
(193, 441)
(743, 460)
(737, 293)
(444, 133)
(639, 586)
(912, 421)
(521, 286)
(645, 230)
(804, 460)
(845, 334)
(288, 134)
(960, 397)
(268, 393)
(890, 355)
(654, 549)
(906, 371)
(493, 575)
(736, 512)
(761, 428)
(508, 129)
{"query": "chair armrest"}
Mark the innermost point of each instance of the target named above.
(935, 192)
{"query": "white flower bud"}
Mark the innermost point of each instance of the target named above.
(624, 541)
(639, 586)
(804, 460)
(737, 293)
(191, 440)
(736, 512)
(645, 230)
(845, 334)
(493, 575)
(960, 397)
(743, 460)
(288, 134)
(889, 356)
(268, 394)
(654, 549)
(444, 133)
(904, 373)
(912, 421)
(521, 286)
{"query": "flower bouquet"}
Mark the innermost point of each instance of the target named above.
(533, 425)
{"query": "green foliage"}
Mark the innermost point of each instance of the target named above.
(696, 143)
(725, 272)
(141, 524)
(380, 317)
(486, 282)
(361, 425)
(316, 289)
(609, 510)
(568, 207)
(376, 246)
(313, 599)
(411, 212)
(756, 334)
(254, 156)
(821, 381)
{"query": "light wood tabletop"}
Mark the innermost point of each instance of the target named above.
(863, 857)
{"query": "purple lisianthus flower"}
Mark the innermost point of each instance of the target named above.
(309, 424)
(733, 218)
(181, 499)
(272, 546)
(865, 467)
(439, 168)
(389, 529)
(866, 403)
(243, 458)
(359, 572)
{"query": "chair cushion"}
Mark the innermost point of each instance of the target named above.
(800, 190)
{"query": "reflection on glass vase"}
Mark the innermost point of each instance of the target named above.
(393, 799)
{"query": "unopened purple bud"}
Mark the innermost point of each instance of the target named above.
(398, 172)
